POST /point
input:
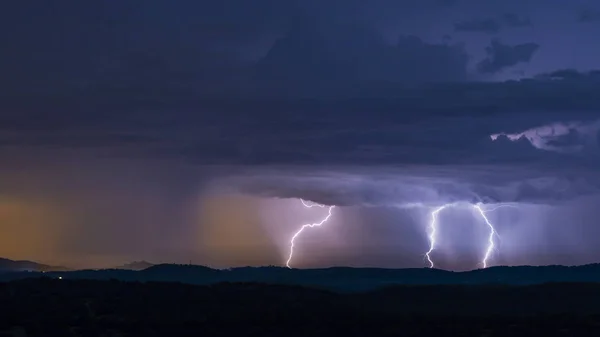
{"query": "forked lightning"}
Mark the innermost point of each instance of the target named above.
(318, 224)
(433, 228)
(491, 244)
(433, 233)
(478, 207)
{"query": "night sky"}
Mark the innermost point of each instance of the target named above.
(177, 131)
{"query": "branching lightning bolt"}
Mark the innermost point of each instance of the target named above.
(433, 228)
(433, 233)
(318, 224)
(491, 243)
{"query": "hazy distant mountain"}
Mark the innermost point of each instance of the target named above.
(351, 279)
(338, 278)
(7, 265)
(136, 265)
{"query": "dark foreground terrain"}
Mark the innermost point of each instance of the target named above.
(60, 307)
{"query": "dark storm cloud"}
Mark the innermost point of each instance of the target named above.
(589, 78)
(329, 100)
(501, 56)
(546, 164)
(588, 15)
(515, 21)
(492, 25)
(419, 186)
(447, 2)
(488, 26)
(425, 146)
(373, 154)
(374, 129)
(340, 56)
(190, 48)
(157, 48)
(564, 74)
(73, 46)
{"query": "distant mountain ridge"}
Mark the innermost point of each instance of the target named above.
(136, 265)
(7, 265)
(336, 278)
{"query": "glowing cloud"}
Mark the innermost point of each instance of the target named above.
(547, 137)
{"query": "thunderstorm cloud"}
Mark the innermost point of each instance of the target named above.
(495, 148)
(188, 130)
(492, 26)
(489, 26)
(501, 56)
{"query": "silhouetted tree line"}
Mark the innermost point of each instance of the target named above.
(51, 307)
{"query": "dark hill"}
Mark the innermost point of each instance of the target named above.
(52, 307)
(7, 265)
(341, 279)
(136, 265)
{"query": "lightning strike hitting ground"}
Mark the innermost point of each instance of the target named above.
(491, 244)
(318, 224)
(493, 233)
(433, 233)
(434, 223)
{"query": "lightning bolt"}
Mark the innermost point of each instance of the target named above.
(309, 204)
(318, 224)
(491, 244)
(433, 226)
(433, 233)
(478, 207)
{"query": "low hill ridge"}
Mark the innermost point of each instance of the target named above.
(336, 278)
(7, 265)
(136, 265)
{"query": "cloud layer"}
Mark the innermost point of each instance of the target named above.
(220, 49)
(340, 56)
(117, 116)
(501, 56)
